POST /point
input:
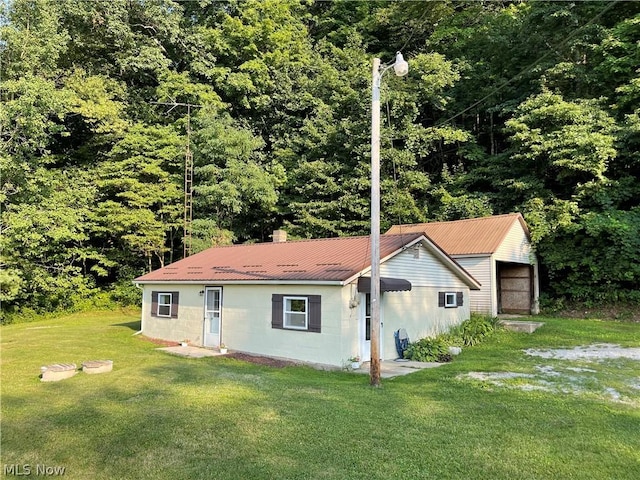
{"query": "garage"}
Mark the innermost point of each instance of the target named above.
(515, 288)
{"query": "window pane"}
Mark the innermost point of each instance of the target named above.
(450, 300)
(367, 316)
(164, 304)
(213, 300)
(296, 320)
(296, 305)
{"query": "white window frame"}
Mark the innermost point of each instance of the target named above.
(285, 325)
(447, 297)
(161, 304)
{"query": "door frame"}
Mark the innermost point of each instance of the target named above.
(364, 345)
(204, 323)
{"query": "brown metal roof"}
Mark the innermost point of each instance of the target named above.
(473, 236)
(329, 259)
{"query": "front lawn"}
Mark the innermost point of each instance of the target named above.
(157, 416)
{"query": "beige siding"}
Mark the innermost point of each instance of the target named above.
(246, 320)
(422, 269)
(189, 324)
(482, 269)
(417, 311)
(515, 247)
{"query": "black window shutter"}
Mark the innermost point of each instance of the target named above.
(441, 299)
(315, 313)
(459, 298)
(175, 296)
(276, 311)
(154, 304)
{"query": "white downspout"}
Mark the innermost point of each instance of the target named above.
(141, 313)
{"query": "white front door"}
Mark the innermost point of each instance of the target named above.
(365, 327)
(212, 314)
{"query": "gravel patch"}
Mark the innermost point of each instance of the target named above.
(618, 385)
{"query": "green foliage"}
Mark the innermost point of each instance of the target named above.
(476, 329)
(525, 106)
(428, 350)
(469, 333)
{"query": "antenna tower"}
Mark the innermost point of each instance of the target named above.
(188, 177)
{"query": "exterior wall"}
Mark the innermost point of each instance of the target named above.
(190, 322)
(515, 247)
(246, 321)
(421, 268)
(483, 270)
(246, 324)
(417, 310)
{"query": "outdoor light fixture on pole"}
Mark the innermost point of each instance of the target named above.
(401, 68)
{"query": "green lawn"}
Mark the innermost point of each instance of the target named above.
(162, 417)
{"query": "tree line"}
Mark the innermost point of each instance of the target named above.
(529, 106)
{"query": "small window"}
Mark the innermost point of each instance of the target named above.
(295, 313)
(450, 300)
(164, 304)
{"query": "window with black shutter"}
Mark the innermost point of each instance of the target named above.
(296, 312)
(450, 299)
(164, 304)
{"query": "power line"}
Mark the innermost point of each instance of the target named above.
(530, 67)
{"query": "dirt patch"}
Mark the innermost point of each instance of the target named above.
(623, 313)
(158, 341)
(268, 361)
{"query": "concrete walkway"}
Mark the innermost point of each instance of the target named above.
(391, 368)
(191, 352)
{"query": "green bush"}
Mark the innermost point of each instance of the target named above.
(428, 350)
(474, 330)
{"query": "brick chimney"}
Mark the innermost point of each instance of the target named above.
(279, 236)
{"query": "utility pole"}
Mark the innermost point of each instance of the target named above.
(401, 68)
(188, 178)
(374, 371)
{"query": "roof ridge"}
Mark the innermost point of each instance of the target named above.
(303, 240)
(513, 214)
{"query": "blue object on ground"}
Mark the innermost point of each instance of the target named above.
(402, 341)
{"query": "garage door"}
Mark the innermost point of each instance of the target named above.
(515, 288)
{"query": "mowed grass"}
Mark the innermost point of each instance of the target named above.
(157, 416)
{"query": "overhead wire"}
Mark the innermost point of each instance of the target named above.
(534, 64)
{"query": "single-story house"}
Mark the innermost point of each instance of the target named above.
(497, 251)
(306, 300)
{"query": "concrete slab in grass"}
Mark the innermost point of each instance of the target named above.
(390, 368)
(525, 326)
(57, 372)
